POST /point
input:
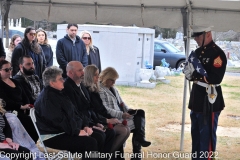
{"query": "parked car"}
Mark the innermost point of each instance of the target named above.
(172, 55)
(14, 30)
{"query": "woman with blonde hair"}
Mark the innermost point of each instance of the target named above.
(7, 146)
(14, 42)
(43, 42)
(117, 108)
(91, 75)
(92, 51)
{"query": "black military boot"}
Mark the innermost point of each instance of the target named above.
(136, 150)
(139, 131)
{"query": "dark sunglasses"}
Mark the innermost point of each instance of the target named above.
(32, 34)
(7, 69)
(85, 38)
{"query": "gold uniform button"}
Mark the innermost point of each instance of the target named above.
(202, 52)
(204, 47)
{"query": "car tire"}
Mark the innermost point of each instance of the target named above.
(181, 64)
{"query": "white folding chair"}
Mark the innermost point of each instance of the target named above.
(60, 154)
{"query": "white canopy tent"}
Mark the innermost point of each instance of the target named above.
(224, 15)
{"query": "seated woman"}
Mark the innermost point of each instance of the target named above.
(6, 143)
(57, 118)
(91, 75)
(118, 109)
(14, 96)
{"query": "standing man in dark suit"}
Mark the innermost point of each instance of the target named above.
(206, 99)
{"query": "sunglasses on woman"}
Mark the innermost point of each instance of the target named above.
(32, 34)
(85, 38)
(7, 69)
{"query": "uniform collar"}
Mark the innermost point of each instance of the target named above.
(208, 45)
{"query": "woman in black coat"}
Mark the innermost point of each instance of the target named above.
(92, 51)
(56, 116)
(29, 46)
(91, 74)
(16, 100)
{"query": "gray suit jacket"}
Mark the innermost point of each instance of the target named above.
(110, 102)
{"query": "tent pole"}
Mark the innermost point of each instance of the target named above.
(186, 13)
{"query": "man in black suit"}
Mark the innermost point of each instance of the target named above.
(79, 96)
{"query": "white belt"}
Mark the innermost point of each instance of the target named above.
(205, 84)
(210, 89)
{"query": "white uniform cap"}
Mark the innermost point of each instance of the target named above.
(198, 30)
(201, 28)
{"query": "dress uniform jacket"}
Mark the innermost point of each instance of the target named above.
(214, 62)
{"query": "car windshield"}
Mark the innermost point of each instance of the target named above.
(171, 47)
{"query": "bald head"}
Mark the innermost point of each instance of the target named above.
(73, 64)
(75, 71)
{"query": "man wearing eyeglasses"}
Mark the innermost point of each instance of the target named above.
(2, 51)
(29, 80)
(71, 48)
(206, 67)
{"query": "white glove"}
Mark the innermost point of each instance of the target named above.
(188, 71)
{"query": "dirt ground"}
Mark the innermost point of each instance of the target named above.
(221, 131)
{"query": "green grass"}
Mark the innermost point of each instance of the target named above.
(233, 69)
(163, 106)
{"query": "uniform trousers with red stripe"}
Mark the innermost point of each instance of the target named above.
(202, 147)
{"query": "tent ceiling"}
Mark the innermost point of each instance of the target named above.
(222, 14)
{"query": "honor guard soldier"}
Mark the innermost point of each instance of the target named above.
(206, 68)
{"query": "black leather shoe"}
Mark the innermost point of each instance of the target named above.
(142, 142)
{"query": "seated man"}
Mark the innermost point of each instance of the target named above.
(58, 119)
(79, 96)
(27, 78)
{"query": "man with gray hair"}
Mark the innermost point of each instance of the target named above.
(206, 68)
